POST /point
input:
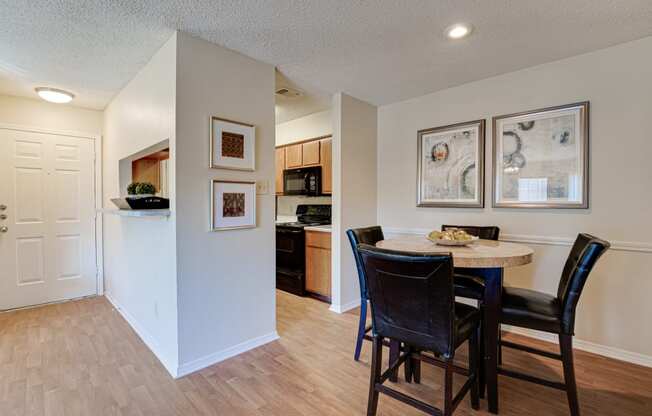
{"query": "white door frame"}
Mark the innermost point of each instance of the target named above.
(97, 162)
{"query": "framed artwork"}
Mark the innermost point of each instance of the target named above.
(541, 158)
(232, 145)
(450, 170)
(233, 205)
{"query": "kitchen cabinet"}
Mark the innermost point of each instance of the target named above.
(315, 152)
(280, 166)
(310, 152)
(325, 149)
(294, 156)
(318, 264)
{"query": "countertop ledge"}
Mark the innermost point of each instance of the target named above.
(137, 212)
(319, 228)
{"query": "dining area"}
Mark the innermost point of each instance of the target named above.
(428, 295)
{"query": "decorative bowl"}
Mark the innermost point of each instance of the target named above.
(456, 243)
(436, 237)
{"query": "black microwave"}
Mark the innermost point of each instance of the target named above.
(302, 181)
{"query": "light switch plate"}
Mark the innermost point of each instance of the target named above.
(262, 187)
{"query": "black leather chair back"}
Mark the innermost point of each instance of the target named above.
(412, 297)
(367, 235)
(484, 232)
(586, 251)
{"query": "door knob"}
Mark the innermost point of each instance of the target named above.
(3, 207)
(4, 229)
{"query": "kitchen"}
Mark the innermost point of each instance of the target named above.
(303, 205)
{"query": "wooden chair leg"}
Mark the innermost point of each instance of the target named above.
(408, 366)
(448, 388)
(394, 353)
(566, 347)
(376, 361)
(500, 347)
(362, 326)
(416, 371)
(482, 381)
(473, 368)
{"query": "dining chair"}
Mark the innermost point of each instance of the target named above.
(412, 301)
(554, 314)
(367, 235)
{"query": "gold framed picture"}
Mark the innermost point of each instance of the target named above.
(232, 145)
(233, 205)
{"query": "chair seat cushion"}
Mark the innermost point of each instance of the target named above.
(531, 309)
(466, 320)
(468, 286)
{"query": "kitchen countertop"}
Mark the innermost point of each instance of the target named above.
(320, 228)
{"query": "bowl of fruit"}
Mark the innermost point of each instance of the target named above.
(452, 237)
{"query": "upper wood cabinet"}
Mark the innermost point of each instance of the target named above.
(280, 166)
(310, 151)
(294, 156)
(326, 165)
(315, 152)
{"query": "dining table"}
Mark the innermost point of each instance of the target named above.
(488, 259)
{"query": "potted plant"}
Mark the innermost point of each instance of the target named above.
(141, 189)
(141, 196)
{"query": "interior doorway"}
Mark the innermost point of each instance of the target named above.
(47, 218)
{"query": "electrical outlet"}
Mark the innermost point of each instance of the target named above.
(262, 187)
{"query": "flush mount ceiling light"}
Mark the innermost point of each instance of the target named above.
(54, 95)
(458, 31)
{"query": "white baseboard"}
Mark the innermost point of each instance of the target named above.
(216, 357)
(610, 352)
(341, 308)
(144, 335)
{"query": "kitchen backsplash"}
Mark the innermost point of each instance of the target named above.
(287, 205)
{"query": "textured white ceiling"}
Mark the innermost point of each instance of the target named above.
(380, 51)
(311, 101)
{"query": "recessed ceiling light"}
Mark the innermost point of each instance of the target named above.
(458, 30)
(54, 95)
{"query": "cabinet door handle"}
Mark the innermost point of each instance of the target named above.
(4, 229)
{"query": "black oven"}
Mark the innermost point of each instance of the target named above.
(302, 181)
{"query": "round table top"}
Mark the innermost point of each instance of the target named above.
(480, 254)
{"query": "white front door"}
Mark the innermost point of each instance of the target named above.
(47, 218)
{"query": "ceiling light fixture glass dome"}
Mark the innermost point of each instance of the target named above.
(54, 95)
(458, 31)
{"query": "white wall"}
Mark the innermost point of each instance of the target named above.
(313, 125)
(140, 253)
(615, 305)
(226, 279)
(354, 190)
(38, 113)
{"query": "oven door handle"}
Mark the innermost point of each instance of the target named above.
(284, 231)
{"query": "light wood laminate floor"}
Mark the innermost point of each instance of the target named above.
(82, 358)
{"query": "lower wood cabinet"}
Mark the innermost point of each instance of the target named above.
(318, 264)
